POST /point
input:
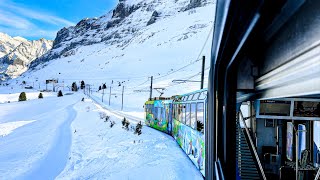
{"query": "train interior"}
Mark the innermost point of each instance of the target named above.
(264, 91)
(285, 133)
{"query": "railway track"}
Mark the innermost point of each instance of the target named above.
(117, 113)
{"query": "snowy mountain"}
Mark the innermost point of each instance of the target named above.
(17, 53)
(8, 43)
(165, 39)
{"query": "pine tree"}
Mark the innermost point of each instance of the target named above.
(82, 86)
(104, 86)
(22, 96)
(60, 93)
(40, 96)
(74, 86)
(199, 126)
(99, 88)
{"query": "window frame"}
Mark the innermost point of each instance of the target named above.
(193, 123)
(188, 116)
(203, 111)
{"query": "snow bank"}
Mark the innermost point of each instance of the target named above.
(101, 152)
(7, 128)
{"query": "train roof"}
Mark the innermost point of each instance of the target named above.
(202, 95)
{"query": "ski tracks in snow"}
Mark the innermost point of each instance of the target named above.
(57, 157)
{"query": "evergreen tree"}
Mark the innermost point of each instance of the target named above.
(74, 86)
(22, 96)
(104, 86)
(40, 96)
(82, 86)
(99, 88)
(60, 93)
(199, 126)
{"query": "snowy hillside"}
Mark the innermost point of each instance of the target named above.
(8, 43)
(165, 39)
(17, 53)
(65, 138)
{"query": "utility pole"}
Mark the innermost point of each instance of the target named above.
(110, 96)
(202, 71)
(151, 87)
(122, 98)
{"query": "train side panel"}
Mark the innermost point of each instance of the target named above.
(192, 142)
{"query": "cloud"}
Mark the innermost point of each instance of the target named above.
(18, 20)
(11, 20)
(31, 14)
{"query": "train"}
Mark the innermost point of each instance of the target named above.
(261, 114)
(183, 117)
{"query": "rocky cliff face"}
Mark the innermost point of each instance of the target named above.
(18, 53)
(116, 28)
(8, 43)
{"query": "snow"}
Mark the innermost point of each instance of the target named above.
(66, 139)
(7, 128)
(158, 50)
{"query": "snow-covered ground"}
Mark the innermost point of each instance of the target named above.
(64, 138)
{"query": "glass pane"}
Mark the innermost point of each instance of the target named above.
(167, 112)
(190, 97)
(183, 114)
(193, 115)
(200, 113)
(195, 96)
(180, 113)
(203, 95)
(306, 109)
(188, 115)
(275, 108)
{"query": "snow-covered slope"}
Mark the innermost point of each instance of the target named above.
(8, 43)
(165, 39)
(17, 53)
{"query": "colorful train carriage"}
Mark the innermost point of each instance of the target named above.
(183, 117)
(158, 114)
(189, 114)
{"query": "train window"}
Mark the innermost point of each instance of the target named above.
(195, 96)
(193, 115)
(203, 95)
(159, 114)
(167, 112)
(200, 113)
(188, 115)
(183, 114)
(178, 111)
(190, 97)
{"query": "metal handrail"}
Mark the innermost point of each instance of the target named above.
(253, 147)
(318, 175)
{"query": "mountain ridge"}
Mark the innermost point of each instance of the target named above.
(17, 53)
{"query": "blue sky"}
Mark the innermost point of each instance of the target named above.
(34, 19)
